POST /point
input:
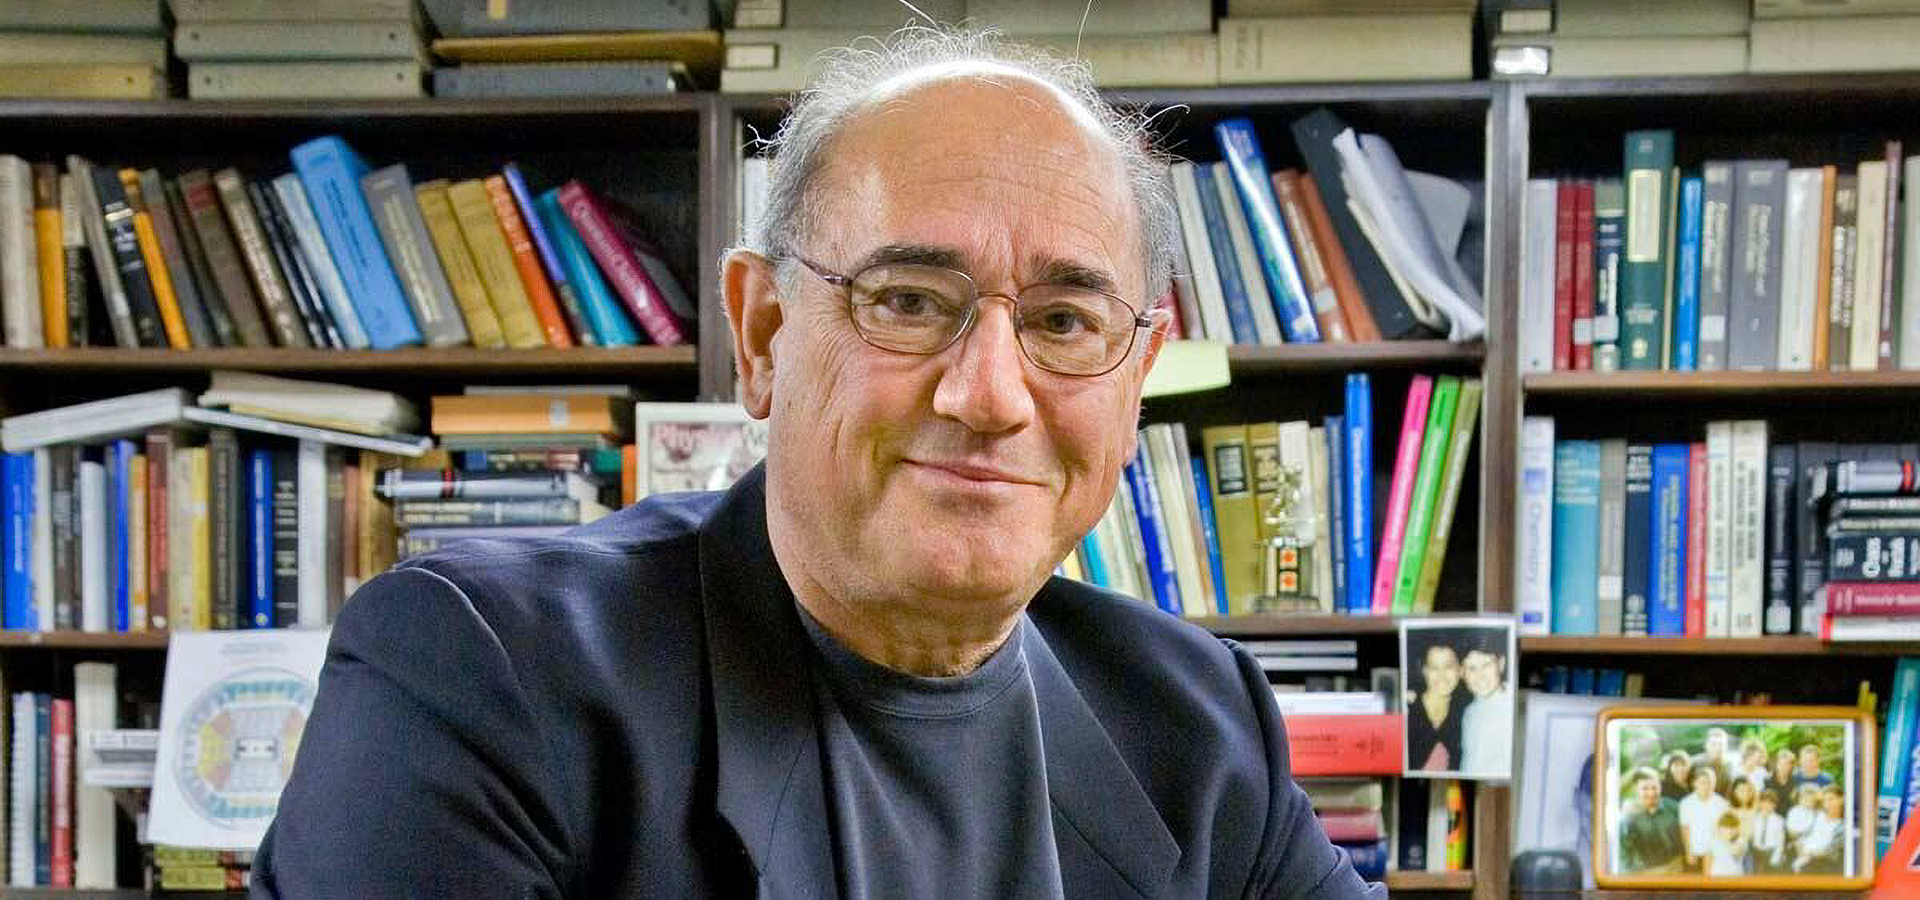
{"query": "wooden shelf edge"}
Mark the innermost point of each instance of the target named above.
(182, 108)
(1280, 624)
(1784, 84)
(1761, 646)
(602, 360)
(82, 640)
(1430, 881)
(1632, 386)
(1254, 359)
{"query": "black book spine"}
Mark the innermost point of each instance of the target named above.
(301, 270)
(225, 522)
(64, 497)
(1636, 568)
(1811, 571)
(1411, 813)
(1782, 473)
(118, 214)
(1881, 555)
(295, 269)
(286, 537)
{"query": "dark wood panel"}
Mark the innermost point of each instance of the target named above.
(1430, 881)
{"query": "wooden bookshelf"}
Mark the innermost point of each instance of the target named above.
(1666, 646)
(82, 640)
(598, 362)
(1245, 359)
(1631, 386)
(1430, 881)
(1285, 625)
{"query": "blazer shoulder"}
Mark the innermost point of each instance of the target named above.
(1088, 623)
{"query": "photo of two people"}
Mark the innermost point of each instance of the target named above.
(1459, 698)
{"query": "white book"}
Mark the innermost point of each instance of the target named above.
(398, 445)
(42, 543)
(1377, 183)
(381, 410)
(1609, 595)
(1253, 276)
(1535, 556)
(1329, 703)
(1187, 297)
(98, 420)
(311, 547)
(1295, 446)
(1308, 663)
(1319, 484)
(313, 248)
(1176, 522)
(1719, 604)
(194, 615)
(1538, 233)
(1870, 628)
(19, 268)
(23, 775)
(1799, 269)
(1205, 271)
(1437, 826)
(1870, 243)
(753, 195)
(93, 546)
(180, 557)
(1132, 548)
(1208, 601)
(1746, 566)
(1301, 648)
(94, 697)
(1909, 347)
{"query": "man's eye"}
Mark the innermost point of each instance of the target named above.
(1063, 321)
(910, 302)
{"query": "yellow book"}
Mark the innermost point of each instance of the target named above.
(179, 543)
(483, 327)
(473, 209)
(200, 535)
(137, 544)
(1230, 478)
(1263, 451)
(52, 254)
(99, 81)
(170, 318)
(699, 51)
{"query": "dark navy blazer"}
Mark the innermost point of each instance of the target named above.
(624, 712)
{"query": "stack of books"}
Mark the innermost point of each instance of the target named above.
(332, 49)
(192, 869)
(1614, 39)
(148, 512)
(1284, 41)
(1279, 517)
(1833, 35)
(1749, 265)
(1355, 248)
(111, 49)
(332, 254)
(576, 49)
(1352, 813)
(1727, 537)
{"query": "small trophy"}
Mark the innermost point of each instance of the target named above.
(1286, 558)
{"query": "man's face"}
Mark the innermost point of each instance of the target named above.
(1810, 760)
(1716, 744)
(1481, 671)
(1442, 670)
(968, 473)
(1648, 792)
(1836, 805)
(1703, 783)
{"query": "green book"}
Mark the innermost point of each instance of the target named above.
(1643, 265)
(1426, 482)
(1466, 421)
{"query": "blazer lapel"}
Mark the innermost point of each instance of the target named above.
(1111, 841)
(768, 781)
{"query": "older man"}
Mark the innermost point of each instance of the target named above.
(852, 675)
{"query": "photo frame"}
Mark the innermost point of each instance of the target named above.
(1819, 759)
(694, 446)
(1460, 687)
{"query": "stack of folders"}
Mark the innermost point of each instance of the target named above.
(241, 50)
(583, 48)
(110, 49)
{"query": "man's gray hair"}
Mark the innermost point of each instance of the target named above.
(845, 84)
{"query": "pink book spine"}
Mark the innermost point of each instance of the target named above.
(1873, 598)
(63, 748)
(1696, 593)
(620, 264)
(1406, 464)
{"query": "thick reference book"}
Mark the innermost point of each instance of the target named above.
(1576, 536)
(1314, 133)
(1643, 271)
(637, 273)
(396, 214)
(1241, 148)
(331, 172)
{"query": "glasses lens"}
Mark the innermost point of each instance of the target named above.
(910, 308)
(1074, 331)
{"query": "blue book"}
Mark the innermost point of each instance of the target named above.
(119, 562)
(43, 790)
(1556, 680)
(1913, 782)
(1369, 858)
(330, 171)
(1336, 430)
(1203, 494)
(1636, 540)
(1686, 280)
(1580, 680)
(603, 314)
(1092, 562)
(1232, 288)
(1610, 683)
(1153, 545)
(1896, 752)
(260, 593)
(1358, 477)
(1576, 537)
(19, 614)
(1240, 147)
(1667, 585)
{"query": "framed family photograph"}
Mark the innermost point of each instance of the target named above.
(1459, 681)
(1734, 797)
(694, 446)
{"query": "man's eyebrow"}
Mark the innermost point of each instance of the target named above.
(1072, 274)
(1049, 270)
(915, 254)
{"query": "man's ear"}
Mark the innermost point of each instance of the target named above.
(1162, 319)
(749, 290)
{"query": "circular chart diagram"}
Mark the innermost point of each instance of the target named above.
(237, 744)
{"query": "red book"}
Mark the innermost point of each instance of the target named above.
(1563, 276)
(1362, 744)
(1873, 598)
(1583, 276)
(1406, 467)
(1352, 825)
(1696, 584)
(62, 794)
(159, 457)
(532, 276)
(638, 274)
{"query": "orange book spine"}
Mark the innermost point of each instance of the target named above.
(1367, 744)
(1346, 288)
(170, 319)
(51, 255)
(1313, 268)
(539, 292)
(1823, 289)
(463, 414)
(629, 474)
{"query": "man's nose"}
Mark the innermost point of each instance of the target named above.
(985, 382)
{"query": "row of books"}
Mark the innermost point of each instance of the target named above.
(61, 823)
(1726, 537)
(331, 255)
(1743, 265)
(1278, 517)
(1295, 256)
(1898, 789)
